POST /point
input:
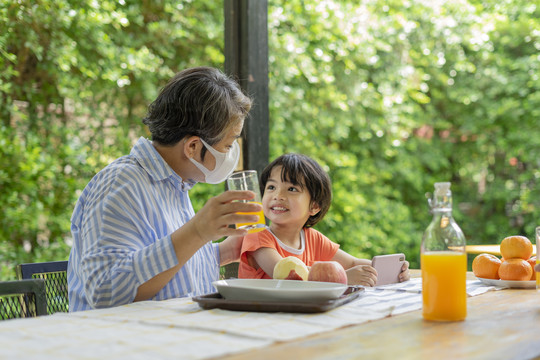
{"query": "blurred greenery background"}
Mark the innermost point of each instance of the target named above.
(389, 96)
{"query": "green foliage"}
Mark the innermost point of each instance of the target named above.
(76, 81)
(394, 96)
(389, 97)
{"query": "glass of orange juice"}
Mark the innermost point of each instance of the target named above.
(248, 180)
(538, 256)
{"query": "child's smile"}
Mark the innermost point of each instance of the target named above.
(278, 209)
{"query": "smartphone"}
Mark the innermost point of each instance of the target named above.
(388, 268)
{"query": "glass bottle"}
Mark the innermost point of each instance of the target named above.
(443, 262)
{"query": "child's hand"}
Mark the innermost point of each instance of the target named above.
(404, 275)
(364, 275)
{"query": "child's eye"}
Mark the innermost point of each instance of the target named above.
(292, 188)
(270, 187)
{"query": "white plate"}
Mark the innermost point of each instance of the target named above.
(279, 290)
(531, 284)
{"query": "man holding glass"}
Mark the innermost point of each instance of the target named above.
(135, 233)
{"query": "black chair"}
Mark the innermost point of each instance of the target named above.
(229, 271)
(55, 275)
(22, 298)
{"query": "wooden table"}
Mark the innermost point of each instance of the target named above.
(489, 249)
(503, 324)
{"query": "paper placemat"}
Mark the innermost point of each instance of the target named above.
(180, 328)
(474, 287)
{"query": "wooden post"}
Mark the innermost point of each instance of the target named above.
(246, 58)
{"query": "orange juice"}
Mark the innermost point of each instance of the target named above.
(253, 226)
(444, 285)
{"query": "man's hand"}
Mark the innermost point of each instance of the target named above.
(229, 250)
(213, 220)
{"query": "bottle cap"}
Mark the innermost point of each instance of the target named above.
(442, 188)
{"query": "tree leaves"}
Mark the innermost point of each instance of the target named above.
(389, 96)
(416, 93)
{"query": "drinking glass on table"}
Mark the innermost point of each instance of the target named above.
(248, 180)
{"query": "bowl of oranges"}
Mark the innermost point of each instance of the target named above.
(514, 269)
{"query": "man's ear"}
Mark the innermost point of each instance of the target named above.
(314, 208)
(192, 145)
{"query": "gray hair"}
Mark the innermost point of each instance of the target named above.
(200, 101)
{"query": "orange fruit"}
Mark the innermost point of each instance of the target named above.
(515, 269)
(516, 247)
(486, 266)
(532, 262)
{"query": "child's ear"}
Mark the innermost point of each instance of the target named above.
(314, 208)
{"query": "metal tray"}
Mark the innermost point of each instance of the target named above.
(215, 300)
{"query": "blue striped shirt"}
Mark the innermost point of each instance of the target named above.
(121, 227)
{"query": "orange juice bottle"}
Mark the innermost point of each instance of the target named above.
(444, 295)
(443, 261)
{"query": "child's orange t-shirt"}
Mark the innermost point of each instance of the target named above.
(317, 247)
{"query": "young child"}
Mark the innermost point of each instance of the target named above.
(296, 195)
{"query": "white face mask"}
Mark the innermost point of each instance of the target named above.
(225, 163)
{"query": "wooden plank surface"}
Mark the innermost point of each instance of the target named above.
(490, 249)
(503, 324)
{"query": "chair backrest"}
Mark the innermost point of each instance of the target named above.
(55, 275)
(22, 298)
(229, 271)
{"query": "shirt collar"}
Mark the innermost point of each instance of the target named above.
(157, 168)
